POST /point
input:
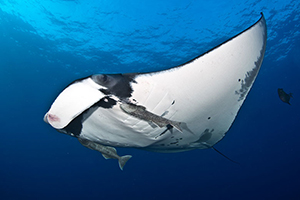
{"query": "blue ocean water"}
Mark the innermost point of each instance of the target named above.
(45, 45)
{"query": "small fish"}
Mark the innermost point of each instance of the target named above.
(141, 113)
(284, 96)
(106, 151)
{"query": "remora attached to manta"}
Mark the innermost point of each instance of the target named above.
(187, 107)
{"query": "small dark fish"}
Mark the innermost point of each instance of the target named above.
(284, 96)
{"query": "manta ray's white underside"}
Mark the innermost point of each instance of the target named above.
(204, 95)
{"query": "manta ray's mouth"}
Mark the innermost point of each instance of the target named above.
(48, 118)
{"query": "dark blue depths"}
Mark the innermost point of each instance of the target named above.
(45, 46)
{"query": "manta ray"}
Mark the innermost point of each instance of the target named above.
(190, 106)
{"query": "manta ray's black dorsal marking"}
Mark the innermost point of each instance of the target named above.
(105, 102)
(116, 84)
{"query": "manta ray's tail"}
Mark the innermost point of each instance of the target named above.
(123, 160)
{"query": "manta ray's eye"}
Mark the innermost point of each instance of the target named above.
(104, 78)
(101, 79)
